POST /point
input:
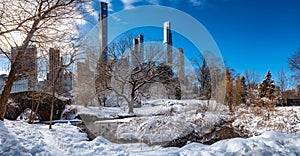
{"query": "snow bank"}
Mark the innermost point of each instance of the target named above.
(100, 112)
(256, 120)
(20, 138)
(165, 120)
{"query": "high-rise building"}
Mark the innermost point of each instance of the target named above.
(83, 71)
(103, 31)
(137, 53)
(168, 42)
(55, 63)
(27, 68)
(181, 72)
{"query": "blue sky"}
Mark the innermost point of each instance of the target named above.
(256, 35)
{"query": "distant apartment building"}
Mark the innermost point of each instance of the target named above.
(103, 31)
(65, 79)
(19, 85)
(27, 68)
(181, 72)
(137, 53)
(83, 71)
(168, 42)
(55, 63)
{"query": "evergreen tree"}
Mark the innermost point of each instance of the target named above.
(229, 90)
(267, 87)
(240, 90)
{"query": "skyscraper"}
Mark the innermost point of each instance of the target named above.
(54, 65)
(168, 42)
(181, 72)
(27, 68)
(141, 46)
(103, 32)
(137, 53)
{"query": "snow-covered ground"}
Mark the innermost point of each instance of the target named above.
(161, 121)
(102, 112)
(21, 138)
(256, 120)
(158, 121)
(150, 108)
(277, 131)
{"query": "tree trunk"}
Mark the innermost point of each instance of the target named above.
(12, 73)
(131, 104)
(52, 105)
(9, 84)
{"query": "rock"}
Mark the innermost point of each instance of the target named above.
(25, 115)
(69, 114)
(22, 100)
(13, 110)
(226, 131)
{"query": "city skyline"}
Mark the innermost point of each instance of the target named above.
(246, 31)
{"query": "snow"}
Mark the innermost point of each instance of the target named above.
(102, 112)
(161, 121)
(256, 120)
(157, 121)
(272, 132)
(149, 108)
(161, 106)
(21, 138)
(159, 129)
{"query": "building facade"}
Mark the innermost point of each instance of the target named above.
(55, 63)
(27, 68)
(168, 42)
(137, 53)
(103, 31)
(181, 72)
(19, 85)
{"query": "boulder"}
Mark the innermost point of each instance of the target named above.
(30, 99)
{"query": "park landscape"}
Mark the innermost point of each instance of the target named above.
(85, 79)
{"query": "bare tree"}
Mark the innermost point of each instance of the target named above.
(118, 52)
(294, 64)
(72, 53)
(282, 80)
(45, 23)
(251, 78)
(203, 77)
(128, 78)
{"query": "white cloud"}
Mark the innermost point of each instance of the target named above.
(197, 2)
(80, 20)
(154, 1)
(128, 4)
(115, 18)
(93, 12)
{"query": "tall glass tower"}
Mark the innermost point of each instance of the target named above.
(103, 31)
(137, 53)
(168, 42)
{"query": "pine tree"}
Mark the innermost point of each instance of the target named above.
(267, 87)
(229, 90)
(240, 90)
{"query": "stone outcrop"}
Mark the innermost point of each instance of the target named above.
(225, 131)
(30, 99)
